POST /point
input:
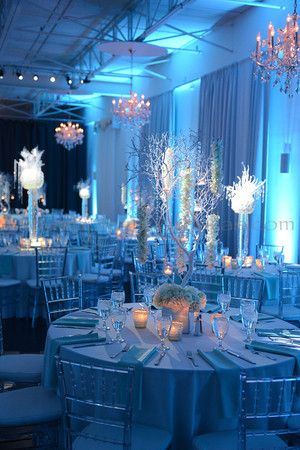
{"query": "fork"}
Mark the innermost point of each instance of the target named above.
(124, 349)
(255, 352)
(190, 356)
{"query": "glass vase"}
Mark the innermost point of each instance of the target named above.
(243, 235)
(33, 214)
(84, 208)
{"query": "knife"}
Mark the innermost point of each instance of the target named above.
(239, 356)
(159, 358)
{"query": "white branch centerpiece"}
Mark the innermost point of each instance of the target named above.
(84, 190)
(242, 196)
(176, 167)
(5, 186)
(32, 179)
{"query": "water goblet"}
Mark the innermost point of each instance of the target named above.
(163, 325)
(220, 327)
(224, 301)
(247, 305)
(104, 308)
(118, 298)
(118, 320)
(249, 320)
(149, 292)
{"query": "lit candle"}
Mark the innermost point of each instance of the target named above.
(140, 317)
(227, 261)
(118, 232)
(248, 261)
(176, 331)
(259, 264)
(258, 44)
(168, 270)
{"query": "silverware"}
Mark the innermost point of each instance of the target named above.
(124, 349)
(73, 326)
(92, 344)
(162, 354)
(263, 354)
(190, 356)
(237, 355)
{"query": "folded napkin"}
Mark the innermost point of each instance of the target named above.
(261, 316)
(80, 321)
(211, 308)
(136, 357)
(228, 378)
(278, 332)
(5, 265)
(271, 284)
(53, 348)
(279, 350)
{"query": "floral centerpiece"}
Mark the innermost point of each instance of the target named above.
(178, 301)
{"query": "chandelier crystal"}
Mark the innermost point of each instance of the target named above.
(134, 111)
(69, 135)
(280, 55)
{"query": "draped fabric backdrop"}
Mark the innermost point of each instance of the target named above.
(62, 168)
(230, 109)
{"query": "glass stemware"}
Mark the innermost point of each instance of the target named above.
(118, 298)
(249, 317)
(163, 325)
(224, 301)
(118, 320)
(104, 308)
(220, 327)
(149, 292)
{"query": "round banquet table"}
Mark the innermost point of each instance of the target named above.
(176, 396)
(21, 265)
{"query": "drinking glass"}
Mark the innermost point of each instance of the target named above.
(163, 325)
(149, 292)
(224, 301)
(247, 305)
(220, 327)
(118, 320)
(104, 308)
(118, 298)
(249, 320)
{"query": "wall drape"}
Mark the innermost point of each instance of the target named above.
(62, 168)
(230, 109)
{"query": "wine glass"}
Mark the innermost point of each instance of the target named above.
(149, 292)
(249, 320)
(118, 298)
(224, 301)
(220, 327)
(163, 325)
(247, 305)
(104, 308)
(118, 320)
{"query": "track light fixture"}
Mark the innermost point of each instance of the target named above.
(52, 79)
(69, 81)
(85, 80)
(19, 75)
(1, 73)
(35, 77)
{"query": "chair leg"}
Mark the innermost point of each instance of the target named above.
(34, 312)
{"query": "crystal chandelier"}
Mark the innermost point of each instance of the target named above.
(69, 135)
(133, 111)
(280, 55)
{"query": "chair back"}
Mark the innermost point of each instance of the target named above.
(146, 267)
(268, 400)
(63, 295)
(97, 404)
(50, 262)
(289, 294)
(269, 251)
(240, 288)
(210, 283)
(138, 281)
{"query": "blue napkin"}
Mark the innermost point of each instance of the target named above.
(278, 332)
(279, 350)
(5, 265)
(261, 316)
(271, 284)
(136, 357)
(49, 374)
(80, 321)
(228, 379)
(211, 308)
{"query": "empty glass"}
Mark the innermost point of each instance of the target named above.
(224, 301)
(149, 292)
(163, 325)
(104, 308)
(118, 320)
(118, 298)
(220, 327)
(249, 317)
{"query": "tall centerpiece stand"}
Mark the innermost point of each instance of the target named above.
(84, 189)
(32, 179)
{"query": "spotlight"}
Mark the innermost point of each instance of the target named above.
(85, 80)
(19, 75)
(1, 74)
(68, 79)
(35, 77)
(52, 79)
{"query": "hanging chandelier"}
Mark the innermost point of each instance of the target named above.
(69, 135)
(133, 111)
(280, 55)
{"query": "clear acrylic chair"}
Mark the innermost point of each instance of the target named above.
(210, 283)
(63, 295)
(50, 262)
(98, 403)
(138, 281)
(289, 295)
(269, 251)
(269, 417)
(240, 288)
